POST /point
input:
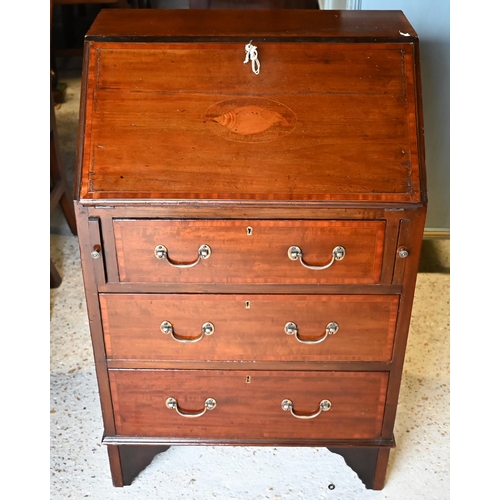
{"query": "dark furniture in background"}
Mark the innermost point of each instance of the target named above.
(60, 191)
(74, 17)
(253, 4)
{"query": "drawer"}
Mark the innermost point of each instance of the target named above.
(342, 252)
(248, 404)
(249, 327)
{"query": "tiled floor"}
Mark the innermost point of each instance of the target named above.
(419, 467)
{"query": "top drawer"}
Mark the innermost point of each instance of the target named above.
(251, 251)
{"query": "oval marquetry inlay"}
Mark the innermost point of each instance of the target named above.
(250, 119)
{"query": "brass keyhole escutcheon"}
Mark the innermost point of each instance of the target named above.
(248, 379)
(247, 304)
(249, 230)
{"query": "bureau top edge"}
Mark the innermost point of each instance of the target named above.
(287, 25)
(243, 204)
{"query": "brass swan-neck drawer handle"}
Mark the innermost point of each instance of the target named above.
(331, 329)
(204, 252)
(206, 329)
(287, 405)
(295, 253)
(172, 404)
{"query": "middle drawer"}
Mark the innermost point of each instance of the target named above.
(249, 327)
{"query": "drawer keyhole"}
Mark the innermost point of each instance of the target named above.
(249, 230)
(248, 379)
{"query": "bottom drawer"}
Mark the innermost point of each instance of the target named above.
(248, 404)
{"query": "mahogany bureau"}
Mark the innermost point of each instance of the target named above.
(251, 203)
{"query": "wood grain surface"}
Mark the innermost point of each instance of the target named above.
(203, 126)
(155, 25)
(182, 145)
(249, 327)
(238, 257)
(248, 403)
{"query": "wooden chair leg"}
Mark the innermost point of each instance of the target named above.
(57, 175)
(60, 192)
(55, 277)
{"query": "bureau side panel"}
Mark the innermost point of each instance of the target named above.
(93, 273)
(410, 238)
